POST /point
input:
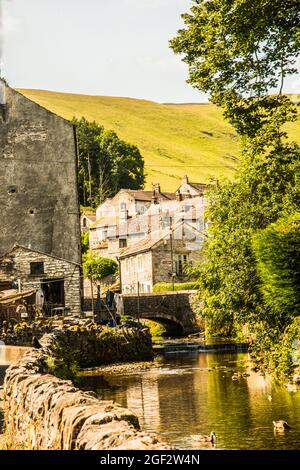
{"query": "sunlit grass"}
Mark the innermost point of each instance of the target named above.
(175, 140)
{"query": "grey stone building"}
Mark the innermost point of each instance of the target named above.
(59, 279)
(159, 258)
(38, 182)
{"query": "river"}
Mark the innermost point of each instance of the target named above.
(9, 355)
(185, 395)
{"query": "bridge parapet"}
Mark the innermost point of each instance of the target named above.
(177, 308)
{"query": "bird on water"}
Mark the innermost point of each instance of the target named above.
(205, 437)
(281, 425)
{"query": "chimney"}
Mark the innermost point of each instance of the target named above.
(154, 197)
(214, 182)
(156, 193)
(178, 196)
(156, 188)
(185, 179)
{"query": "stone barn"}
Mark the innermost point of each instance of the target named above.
(38, 184)
(56, 278)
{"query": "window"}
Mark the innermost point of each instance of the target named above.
(181, 261)
(36, 269)
(84, 223)
(140, 262)
(122, 243)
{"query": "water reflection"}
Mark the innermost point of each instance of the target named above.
(185, 396)
(9, 355)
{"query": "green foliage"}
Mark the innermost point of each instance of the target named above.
(85, 243)
(238, 50)
(157, 330)
(63, 365)
(277, 251)
(106, 163)
(167, 286)
(99, 268)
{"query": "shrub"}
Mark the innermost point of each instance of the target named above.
(167, 286)
(277, 251)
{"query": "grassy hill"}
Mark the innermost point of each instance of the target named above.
(175, 140)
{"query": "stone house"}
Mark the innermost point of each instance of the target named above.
(160, 257)
(189, 190)
(114, 230)
(122, 217)
(38, 184)
(59, 279)
(86, 220)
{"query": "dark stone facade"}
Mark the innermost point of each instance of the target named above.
(38, 179)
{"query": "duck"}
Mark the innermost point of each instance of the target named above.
(205, 437)
(281, 425)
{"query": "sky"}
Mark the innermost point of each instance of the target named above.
(98, 47)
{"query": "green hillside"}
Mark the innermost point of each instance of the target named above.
(175, 140)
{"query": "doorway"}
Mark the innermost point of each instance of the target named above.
(54, 290)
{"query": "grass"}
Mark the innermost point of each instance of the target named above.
(167, 286)
(175, 140)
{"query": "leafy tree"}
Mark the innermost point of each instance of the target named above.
(96, 269)
(127, 164)
(106, 163)
(277, 251)
(238, 51)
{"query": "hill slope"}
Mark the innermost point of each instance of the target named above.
(175, 140)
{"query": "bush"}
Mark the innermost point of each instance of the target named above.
(167, 286)
(277, 251)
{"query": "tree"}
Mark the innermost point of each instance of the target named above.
(277, 251)
(106, 163)
(238, 51)
(96, 269)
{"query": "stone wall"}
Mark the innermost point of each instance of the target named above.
(16, 265)
(38, 179)
(44, 412)
(162, 259)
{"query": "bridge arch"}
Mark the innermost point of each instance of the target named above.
(171, 323)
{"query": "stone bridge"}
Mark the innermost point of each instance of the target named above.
(175, 310)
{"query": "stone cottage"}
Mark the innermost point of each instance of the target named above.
(58, 279)
(38, 185)
(160, 258)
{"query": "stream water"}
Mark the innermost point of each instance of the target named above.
(9, 355)
(186, 395)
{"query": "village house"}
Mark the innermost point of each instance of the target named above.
(161, 257)
(86, 220)
(39, 194)
(189, 190)
(122, 216)
(132, 215)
